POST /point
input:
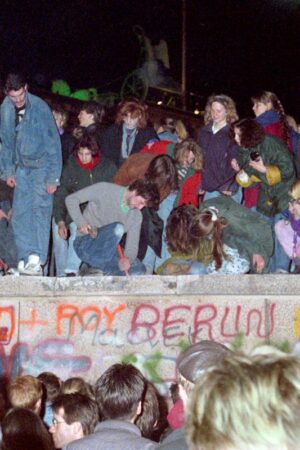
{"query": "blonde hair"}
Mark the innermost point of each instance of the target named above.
(295, 190)
(227, 102)
(24, 392)
(186, 146)
(181, 130)
(77, 385)
(249, 403)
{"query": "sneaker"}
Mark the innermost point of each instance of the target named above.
(33, 266)
(13, 271)
(87, 271)
(281, 271)
(21, 266)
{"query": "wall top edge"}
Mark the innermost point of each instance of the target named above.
(275, 284)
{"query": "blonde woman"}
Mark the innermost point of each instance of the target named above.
(218, 176)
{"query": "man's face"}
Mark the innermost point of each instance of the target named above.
(85, 118)
(136, 201)
(18, 97)
(62, 433)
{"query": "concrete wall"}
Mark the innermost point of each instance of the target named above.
(79, 326)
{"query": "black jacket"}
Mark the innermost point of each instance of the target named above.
(111, 141)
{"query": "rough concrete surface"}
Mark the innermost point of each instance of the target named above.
(79, 326)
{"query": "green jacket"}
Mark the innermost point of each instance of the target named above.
(74, 178)
(247, 231)
(275, 184)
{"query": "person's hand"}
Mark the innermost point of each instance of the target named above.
(3, 215)
(9, 214)
(228, 193)
(85, 229)
(62, 230)
(201, 192)
(235, 165)
(258, 165)
(124, 264)
(11, 182)
(51, 188)
(258, 263)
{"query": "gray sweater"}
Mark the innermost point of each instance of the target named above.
(105, 206)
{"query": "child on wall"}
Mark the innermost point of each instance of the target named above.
(288, 231)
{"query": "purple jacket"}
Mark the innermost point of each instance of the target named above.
(218, 150)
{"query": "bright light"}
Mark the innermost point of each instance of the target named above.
(160, 102)
(196, 111)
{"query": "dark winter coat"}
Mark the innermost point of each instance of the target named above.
(275, 184)
(111, 141)
(74, 178)
(218, 150)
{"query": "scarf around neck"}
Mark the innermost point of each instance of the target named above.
(88, 166)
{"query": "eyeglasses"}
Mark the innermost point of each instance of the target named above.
(56, 422)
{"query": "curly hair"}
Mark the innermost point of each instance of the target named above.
(186, 146)
(251, 132)
(135, 108)
(188, 230)
(266, 97)
(227, 102)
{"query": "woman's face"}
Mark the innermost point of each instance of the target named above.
(237, 135)
(85, 155)
(130, 122)
(260, 107)
(218, 113)
(294, 208)
(188, 159)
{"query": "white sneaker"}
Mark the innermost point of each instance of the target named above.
(13, 272)
(33, 266)
(21, 266)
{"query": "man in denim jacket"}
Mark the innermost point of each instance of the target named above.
(31, 163)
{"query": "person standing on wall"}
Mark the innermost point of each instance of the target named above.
(31, 163)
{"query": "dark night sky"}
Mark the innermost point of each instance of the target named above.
(234, 46)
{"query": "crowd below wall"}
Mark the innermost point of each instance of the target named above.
(215, 387)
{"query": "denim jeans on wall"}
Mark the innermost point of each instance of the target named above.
(279, 260)
(237, 197)
(32, 209)
(151, 261)
(101, 252)
(66, 259)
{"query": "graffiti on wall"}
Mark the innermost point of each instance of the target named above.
(72, 337)
(166, 327)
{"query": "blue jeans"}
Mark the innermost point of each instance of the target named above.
(101, 252)
(150, 260)
(279, 259)
(66, 259)
(237, 197)
(32, 209)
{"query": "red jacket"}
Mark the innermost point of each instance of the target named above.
(188, 193)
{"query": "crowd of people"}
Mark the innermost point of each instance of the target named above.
(131, 198)
(221, 400)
